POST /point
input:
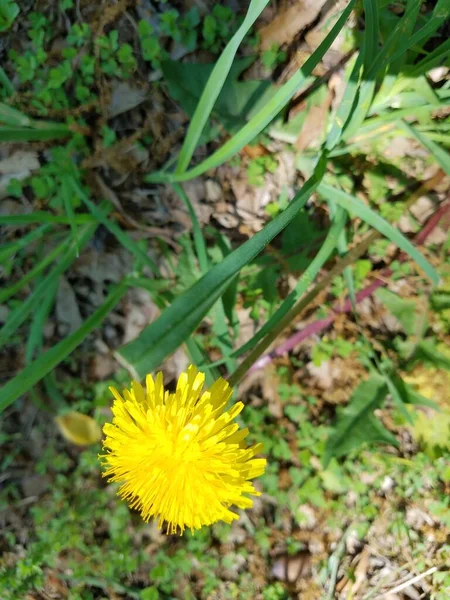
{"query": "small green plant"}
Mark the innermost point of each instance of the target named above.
(273, 56)
(257, 168)
(8, 13)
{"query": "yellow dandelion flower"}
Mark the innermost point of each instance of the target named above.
(179, 456)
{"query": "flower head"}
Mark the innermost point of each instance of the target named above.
(179, 456)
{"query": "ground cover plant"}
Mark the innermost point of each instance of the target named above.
(260, 191)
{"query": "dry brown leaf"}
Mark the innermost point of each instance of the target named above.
(79, 429)
(289, 23)
(314, 125)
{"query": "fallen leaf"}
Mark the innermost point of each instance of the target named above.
(289, 23)
(290, 568)
(124, 98)
(18, 166)
(67, 311)
(79, 429)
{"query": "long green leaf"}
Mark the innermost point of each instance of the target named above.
(179, 321)
(67, 197)
(24, 134)
(11, 290)
(13, 117)
(41, 216)
(371, 18)
(199, 241)
(265, 115)
(303, 283)
(6, 83)
(34, 339)
(215, 84)
(126, 241)
(20, 314)
(366, 214)
(220, 328)
(378, 65)
(43, 365)
(10, 249)
(441, 156)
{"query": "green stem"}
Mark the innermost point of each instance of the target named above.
(352, 255)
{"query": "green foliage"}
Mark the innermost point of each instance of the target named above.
(8, 13)
(356, 423)
(257, 167)
(236, 102)
(273, 56)
(326, 349)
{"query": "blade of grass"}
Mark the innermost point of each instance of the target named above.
(346, 105)
(366, 214)
(20, 314)
(179, 321)
(67, 199)
(34, 340)
(219, 326)
(378, 65)
(126, 241)
(40, 216)
(199, 242)
(7, 292)
(265, 115)
(371, 20)
(22, 134)
(215, 84)
(303, 283)
(7, 250)
(6, 83)
(13, 117)
(441, 156)
(43, 365)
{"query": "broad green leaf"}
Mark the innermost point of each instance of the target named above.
(398, 399)
(47, 361)
(214, 85)
(405, 311)
(410, 396)
(180, 320)
(8, 13)
(427, 350)
(356, 424)
(366, 214)
(236, 100)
